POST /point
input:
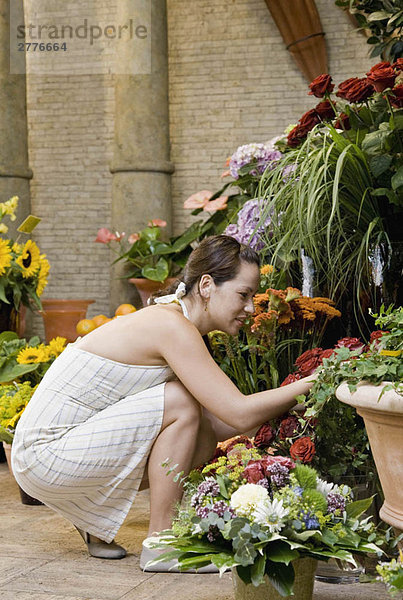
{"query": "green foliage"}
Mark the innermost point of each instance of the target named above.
(384, 19)
(306, 476)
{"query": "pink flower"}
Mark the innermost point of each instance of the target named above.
(226, 173)
(104, 236)
(350, 343)
(157, 223)
(254, 471)
(133, 238)
(219, 203)
(283, 460)
(198, 200)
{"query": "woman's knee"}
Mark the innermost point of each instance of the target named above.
(181, 405)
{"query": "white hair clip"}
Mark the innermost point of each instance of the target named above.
(180, 292)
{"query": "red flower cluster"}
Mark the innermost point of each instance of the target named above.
(396, 97)
(291, 378)
(264, 436)
(256, 470)
(355, 89)
(351, 343)
(309, 361)
(322, 112)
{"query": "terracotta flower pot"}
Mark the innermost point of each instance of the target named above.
(147, 287)
(25, 498)
(384, 424)
(303, 585)
(60, 317)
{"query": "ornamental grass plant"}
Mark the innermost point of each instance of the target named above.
(342, 200)
(256, 513)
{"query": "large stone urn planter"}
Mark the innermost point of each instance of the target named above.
(383, 420)
(60, 317)
(303, 584)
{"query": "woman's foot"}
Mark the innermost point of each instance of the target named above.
(100, 549)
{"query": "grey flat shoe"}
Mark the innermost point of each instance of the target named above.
(102, 549)
(169, 566)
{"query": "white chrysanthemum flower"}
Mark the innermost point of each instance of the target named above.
(247, 497)
(270, 514)
(324, 487)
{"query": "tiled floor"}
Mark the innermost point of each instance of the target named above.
(42, 557)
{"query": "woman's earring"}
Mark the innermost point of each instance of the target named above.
(206, 305)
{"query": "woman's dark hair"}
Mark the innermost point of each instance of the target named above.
(219, 256)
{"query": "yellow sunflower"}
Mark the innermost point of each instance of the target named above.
(56, 346)
(28, 355)
(44, 267)
(17, 248)
(29, 259)
(5, 256)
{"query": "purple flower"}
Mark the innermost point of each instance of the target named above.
(298, 490)
(203, 511)
(261, 154)
(264, 483)
(279, 474)
(335, 502)
(208, 487)
(212, 534)
(246, 231)
(221, 507)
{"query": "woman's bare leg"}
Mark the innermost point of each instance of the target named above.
(177, 441)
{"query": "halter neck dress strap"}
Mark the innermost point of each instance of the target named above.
(175, 298)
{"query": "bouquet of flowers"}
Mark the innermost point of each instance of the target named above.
(258, 513)
(23, 269)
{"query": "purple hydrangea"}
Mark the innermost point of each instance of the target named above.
(279, 474)
(262, 154)
(202, 511)
(335, 502)
(264, 483)
(246, 230)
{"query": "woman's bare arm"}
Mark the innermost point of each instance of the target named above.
(184, 350)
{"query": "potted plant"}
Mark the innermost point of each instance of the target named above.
(373, 384)
(23, 271)
(23, 364)
(267, 518)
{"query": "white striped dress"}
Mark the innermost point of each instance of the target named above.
(83, 441)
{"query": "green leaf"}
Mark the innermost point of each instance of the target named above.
(378, 15)
(6, 336)
(397, 179)
(158, 273)
(223, 488)
(281, 577)
(6, 435)
(257, 571)
(380, 164)
(3, 297)
(12, 371)
(374, 143)
(328, 537)
(357, 508)
(281, 552)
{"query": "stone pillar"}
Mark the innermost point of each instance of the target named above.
(14, 171)
(141, 168)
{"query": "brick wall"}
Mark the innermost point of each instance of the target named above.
(231, 82)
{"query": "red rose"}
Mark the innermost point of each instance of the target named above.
(303, 450)
(375, 335)
(283, 460)
(327, 353)
(291, 378)
(296, 136)
(309, 119)
(382, 76)
(355, 89)
(343, 122)
(309, 361)
(264, 436)
(254, 471)
(321, 85)
(350, 343)
(288, 427)
(325, 110)
(396, 96)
